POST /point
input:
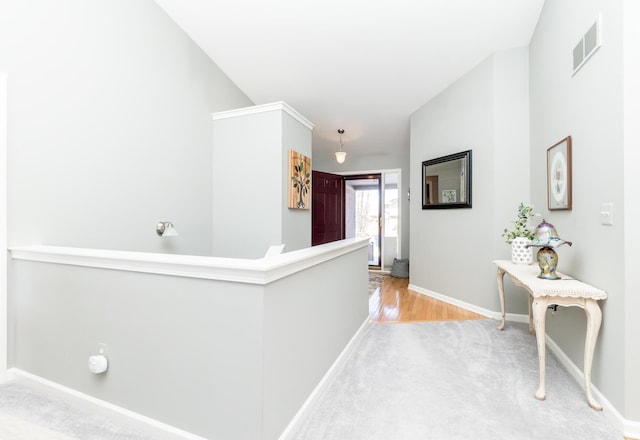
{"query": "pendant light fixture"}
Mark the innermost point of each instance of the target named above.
(341, 155)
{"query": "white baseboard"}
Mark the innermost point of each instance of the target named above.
(324, 382)
(468, 306)
(155, 428)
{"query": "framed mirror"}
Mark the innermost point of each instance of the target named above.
(446, 181)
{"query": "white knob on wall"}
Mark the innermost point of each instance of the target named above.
(98, 363)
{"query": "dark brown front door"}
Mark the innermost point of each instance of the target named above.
(327, 208)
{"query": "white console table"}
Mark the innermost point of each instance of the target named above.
(564, 292)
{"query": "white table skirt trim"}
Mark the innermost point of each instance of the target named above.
(565, 287)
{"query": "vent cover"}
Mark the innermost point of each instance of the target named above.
(587, 46)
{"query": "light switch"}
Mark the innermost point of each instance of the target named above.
(606, 214)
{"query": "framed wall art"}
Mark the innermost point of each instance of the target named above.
(448, 196)
(559, 175)
(299, 181)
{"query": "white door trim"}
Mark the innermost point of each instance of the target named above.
(401, 202)
(4, 328)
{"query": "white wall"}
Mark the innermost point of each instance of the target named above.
(250, 181)
(631, 75)
(296, 223)
(246, 195)
(179, 349)
(304, 331)
(511, 141)
(109, 125)
(485, 111)
(217, 358)
(3, 223)
(589, 107)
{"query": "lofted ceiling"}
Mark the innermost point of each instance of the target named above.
(361, 65)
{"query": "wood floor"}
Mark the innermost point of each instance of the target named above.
(394, 302)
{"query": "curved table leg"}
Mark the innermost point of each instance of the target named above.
(531, 329)
(539, 308)
(500, 279)
(594, 319)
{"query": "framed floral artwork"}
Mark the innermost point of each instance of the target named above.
(299, 181)
(448, 196)
(559, 175)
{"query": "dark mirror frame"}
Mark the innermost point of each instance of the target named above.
(428, 189)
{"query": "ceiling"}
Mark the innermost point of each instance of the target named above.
(361, 65)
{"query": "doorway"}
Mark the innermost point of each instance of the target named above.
(363, 208)
(334, 211)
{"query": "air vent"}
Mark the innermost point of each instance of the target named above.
(587, 46)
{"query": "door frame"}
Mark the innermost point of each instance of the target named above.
(401, 202)
(380, 178)
(4, 305)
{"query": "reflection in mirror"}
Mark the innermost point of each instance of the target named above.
(446, 181)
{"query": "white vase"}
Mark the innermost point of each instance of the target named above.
(520, 253)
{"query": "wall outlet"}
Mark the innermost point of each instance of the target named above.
(606, 214)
